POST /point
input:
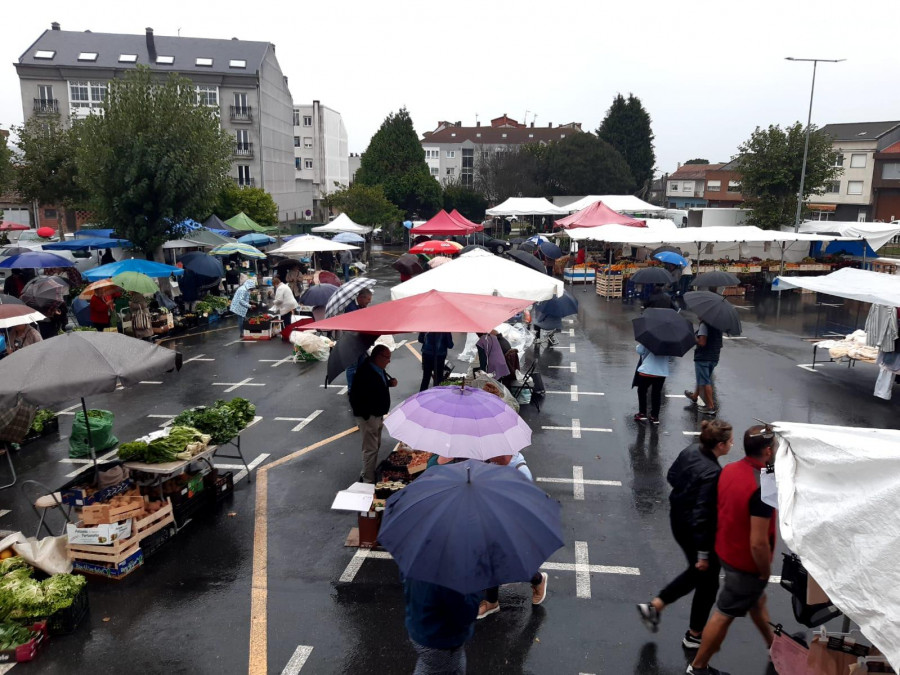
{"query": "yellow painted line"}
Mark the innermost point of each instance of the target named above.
(414, 351)
(259, 587)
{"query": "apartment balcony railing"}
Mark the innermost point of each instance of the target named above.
(241, 113)
(243, 149)
(46, 105)
(245, 182)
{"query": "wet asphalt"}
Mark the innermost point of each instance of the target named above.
(188, 610)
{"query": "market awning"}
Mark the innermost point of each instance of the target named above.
(343, 223)
(526, 206)
(456, 215)
(309, 243)
(86, 244)
(875, 234)
(850, 283)
(596, 215)
(444, 223)
(618, 203)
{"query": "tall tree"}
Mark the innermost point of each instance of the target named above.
(46, 173)
(516, 172)
(7, 171)
(467, 201)
(697, 161)
(396, 161)
(582, 164)
(626, 127)
(152, 158)
(366, 205)
(254, 201)
(770, 164)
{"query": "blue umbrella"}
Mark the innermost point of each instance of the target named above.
(90, 233)
(551, 250)
(471, 526)
(82, 311)
(202, 265)
(671, 257)
(318, 295)
(86, 244)
(408, 224)
(558, 307)
(34, 260)
(538, 239)
(256, 239)
(348, 238)
(151, 268)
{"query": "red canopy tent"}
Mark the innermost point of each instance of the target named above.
(444, 223)
(6, 227)
(431, 311)
(595, 215)
(456, 215)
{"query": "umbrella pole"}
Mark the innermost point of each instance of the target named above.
(87, 426)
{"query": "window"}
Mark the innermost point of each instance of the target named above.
(203, 61)
(673, 187)
(242, 142)
(296, 141)
(46, 54)
(451, 171)
(240, 104)
(713, 185)
(307, 142)
(307, 120)
(857, 161)
(165, 60)
(478, 135)
(244, 175)
(687, 187)
(451, 154)
(502, 135)
(45, 93)
(87, 56)
(296, 118)
(127, 58)
(207, 95)
(734, 186)
(890, 170)
(530, 135)
(83, 94)
(297, 163)
(562, 135)
(838, 159)
(434, 171)
(833, 188)
(854, 187)
(432, 154)
(861, 216)
(50, 213)
(237, 63)
(307, 164)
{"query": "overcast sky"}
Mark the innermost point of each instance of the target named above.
(707, 72)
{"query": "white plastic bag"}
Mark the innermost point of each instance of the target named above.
(470, 351)
(47, 554)
(315, 345)
(386, 340)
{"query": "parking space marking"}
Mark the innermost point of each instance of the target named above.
(809, 367)
(574, 393)
(358, 559)
(70, 410)
(234, 385)
(569, 320)
(573, 367)
(414, 351)
(252, 465)
(578, 482)
(570, 332)
(199, 357)
(242, 341)
(102, 458)
(276, 362)
(583, 570)
(168, 419)
(570, 347)
(700, 400)
(341, 391)
(303, 421)
(3, 512)
(576, 428)
(691, 433)
(298, 658)
(149, 382)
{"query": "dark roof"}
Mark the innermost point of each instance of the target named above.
(500, 135)
(694, 171)
(858, 131)
(109, 46)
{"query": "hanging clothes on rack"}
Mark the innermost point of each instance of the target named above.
(881, 327)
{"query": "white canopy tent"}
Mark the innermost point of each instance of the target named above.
(308, 243)
(483, 273)
(853, 284)
(837, 509)
(619, 203)
(875, 234)
(527, 206)
(343, 224)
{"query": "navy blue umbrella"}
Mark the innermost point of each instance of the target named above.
(82, 311)
(550, 250)
(471, 526)
(558, 307)
(671, 257)
(36, 260)
(202, 264)
(318, 295)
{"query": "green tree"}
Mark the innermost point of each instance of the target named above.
(366, 205)
(697, 161)
(152, 158)
(516, 172)
(582, 164)
(47, 170)
(396, 161)
(254, 201)
(467, 201)
(626, 127)
(7, 171)
(770, 164)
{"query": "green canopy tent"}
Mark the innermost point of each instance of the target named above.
(243, 223)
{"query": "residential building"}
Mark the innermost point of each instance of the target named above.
(685, 188)
(321, 160)
(657, 195)
(67, 72)
(453, 151)
(354, 162)
(886, 184)
(852, 195)
(723, 186)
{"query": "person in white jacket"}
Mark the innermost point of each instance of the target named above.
(284, 303)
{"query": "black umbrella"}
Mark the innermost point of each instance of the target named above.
(318, 295)
(517, 241)
(408, 263)
(526, 259)
(551, 250)
(558, 307)
(664, 332)
(473, 247)
(673, 249)
(652, 275)
(715, 310)
(528, 246)
(203, 265)
(9, 300)
(715, 279)
(346, 352)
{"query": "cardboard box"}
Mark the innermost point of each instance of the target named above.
(111, 570)
(77, 495)
(104, 534)
(357, 497)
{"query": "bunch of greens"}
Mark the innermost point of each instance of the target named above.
(173, 447)
(134, 450)
(24, 597)
(12, 635)
(41, 418)
(222, 420)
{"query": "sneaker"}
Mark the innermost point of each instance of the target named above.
(691, 641)
(653, 420)
(649, 615)
(640, 417)
(539, 592)
(487, 608)
(709, 670)
(690, 396)
(707, 410)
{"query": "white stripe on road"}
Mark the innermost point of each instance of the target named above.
(252, 465)
(297, 660)
(277, 362)
(69, 410)
(691, 433)
(576, 428)
(358, 559)
(302, 420)
(578, 482)
(809, 367)
(574, 393)
(582, 570)
(148, 382)
(571, 347)
(234, 385)
(3, 512)
(199, 357)
(573, 367)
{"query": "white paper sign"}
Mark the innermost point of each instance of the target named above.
(357, 497)
(768, 489)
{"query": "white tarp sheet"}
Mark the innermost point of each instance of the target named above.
(618, 203)
(876, 234)
(837, 509)
(853, 284)
(343, 224)
(483, 273)
(526, 206)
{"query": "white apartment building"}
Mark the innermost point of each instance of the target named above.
(321, 156)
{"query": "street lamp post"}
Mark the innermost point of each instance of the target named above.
(812, 91)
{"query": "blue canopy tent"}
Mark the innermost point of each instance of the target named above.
(148, 267)
(87, 244)
(256, 239)
(90, 233)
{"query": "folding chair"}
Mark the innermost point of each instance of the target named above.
(46, 500)
(533, 382)
(5, 450)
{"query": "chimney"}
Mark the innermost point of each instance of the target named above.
(54, 25)
(478, 124)
(549, 125)
(532, 124)
(151, 45)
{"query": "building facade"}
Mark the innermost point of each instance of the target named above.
(723, 186)
(686, 187)
(67, 73)
(886, 184)
(321, 158)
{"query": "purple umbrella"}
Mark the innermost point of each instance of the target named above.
(459, 422)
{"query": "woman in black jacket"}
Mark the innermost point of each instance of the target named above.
(694, 478)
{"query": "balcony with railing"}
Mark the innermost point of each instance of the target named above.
(241, 113)
(243, 149)
(46, 106)
(244, 182)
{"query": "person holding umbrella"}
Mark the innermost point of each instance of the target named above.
(14, 283)
(370, 399)
(650, 375)
(21, 336)
(706, 358)
(660, 333)
(240, 303)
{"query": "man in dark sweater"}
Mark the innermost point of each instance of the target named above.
(706, 358)
(370, 398)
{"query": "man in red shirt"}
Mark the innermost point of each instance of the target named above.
(745, 544)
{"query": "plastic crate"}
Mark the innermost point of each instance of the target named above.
(150, 545)
(29, 650)
(185, 511)
(66, 620)
(220, 484)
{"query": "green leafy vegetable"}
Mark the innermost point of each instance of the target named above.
(172, 447)
(12, 635)
(41, 418)
(222, 420)
(134, 450)
(17, 562)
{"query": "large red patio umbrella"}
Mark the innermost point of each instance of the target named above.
(595, 215)
(7, 227)
(444, 223)
(437, 247)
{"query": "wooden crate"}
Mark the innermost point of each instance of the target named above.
(121, 549)
(609, 285)
(99, 514)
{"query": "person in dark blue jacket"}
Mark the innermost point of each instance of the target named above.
(434, 354)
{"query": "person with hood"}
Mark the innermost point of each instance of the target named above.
(240, 303)
(491, 358)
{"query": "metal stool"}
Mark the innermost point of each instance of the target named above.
(47, 499)
(5, 450)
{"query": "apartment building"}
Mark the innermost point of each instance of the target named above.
(452, 150)
(67, 73)
(321, 156)
(686, 187)
(723, 186)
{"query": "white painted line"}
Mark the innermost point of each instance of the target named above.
(6, 667)
(297, 660)
(700, 400)
(102, 458)
(736, 337)
(576, 429)
(578, 483)
(148, 382)
(691, 433)
(70, 410)
(199, 357)
(168, 419)
(357, 560)
(243, 342)
(340, 392)
(302, 420)
(571, 347)
(401, 343)
(593, 569)
(571, 332)
(3, 512)
(276, 362)
(573, 367)
(252, 465)
(574, 393)
(234, 385)
(809, 366)
(569, 320)
(582, 572)
(229, 467)
(583, 481)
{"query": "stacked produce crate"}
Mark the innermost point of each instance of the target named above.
(609, 285)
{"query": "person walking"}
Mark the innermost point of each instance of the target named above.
(694, 477)
(650, 375)
(345, 258)
(240, 303)
(706, 358)
(370, 399)
(362, 300)
(745, 544)
(491, 358)
(21, 336)
(434, 354)
(658, 298)
(284, 303)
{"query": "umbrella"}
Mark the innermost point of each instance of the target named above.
(472, 247)
(202, 265)
(345, 294)
(309, 243)
(34, 260)
(471, 526)
(517, 241)
(545, 322)
(318, 295)
(436, 247)
(42, 291)
(550, 250)
(715, 310)
(653, 275)
(715, 279)
(348, 238)
(527, 259)
(151, 268)
(346, 352)
(326, 277)
(566, 305)
(664, 332)
(45, 232)
(8, 227)
(459, 422)
(237, 248)
(438, 261)
(102, 287)
(256, 239)
(9, 300)
(14, 250)
(408, 264)
(527, 246)
(671, 257)
(538, 239)
(660, 249)
(87, 244)
(82, 311)
(136, 282)
(17, 315)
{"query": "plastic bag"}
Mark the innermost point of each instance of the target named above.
(520, 338)
(312, 345)
(101, 434)
(386, 340)
(48, 554)
(487, 383)
(470, 351)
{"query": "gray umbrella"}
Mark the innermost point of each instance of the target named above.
(9, 300)
(715, 310)
(41, 291)
(345, 294)
(345, 353)
(652, 275)
(526, 259)
(715, 279)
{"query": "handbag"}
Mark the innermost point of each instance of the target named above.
(795, 579)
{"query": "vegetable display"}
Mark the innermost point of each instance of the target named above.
(181, 443)
(132, 451)
(12, 635)
(223, 420)
(41, 418)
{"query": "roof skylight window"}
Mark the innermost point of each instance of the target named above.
(237, 63)
(87, 56)
(202, 61)
(127, 58)
(44, 54)
(165, 60)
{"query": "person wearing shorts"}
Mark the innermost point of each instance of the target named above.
(706, 358)
(745, 544)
